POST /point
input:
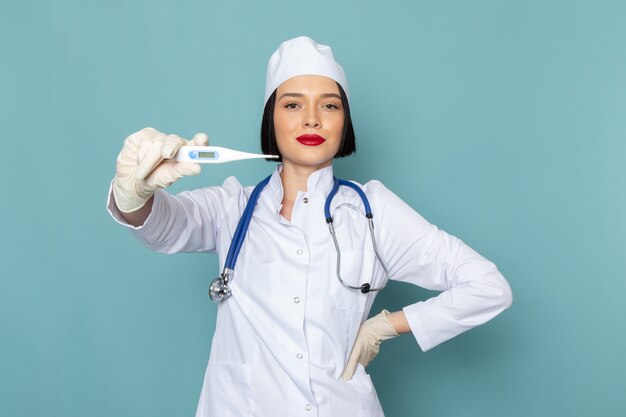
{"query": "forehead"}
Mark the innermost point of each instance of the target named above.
(308, 84)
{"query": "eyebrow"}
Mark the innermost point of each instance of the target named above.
(325, 95)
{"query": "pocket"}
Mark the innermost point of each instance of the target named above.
(356, 397)
(226, 390)
(349, 303)
(255, 283)
(362, 381)
(361, 377)
(351, 266)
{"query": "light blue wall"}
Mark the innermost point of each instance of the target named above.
(503, 122)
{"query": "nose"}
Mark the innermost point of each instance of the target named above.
(311, 118)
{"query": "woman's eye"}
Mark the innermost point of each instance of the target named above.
(291, 105)
(331, 106)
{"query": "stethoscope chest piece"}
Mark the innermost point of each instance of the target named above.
(219, 289)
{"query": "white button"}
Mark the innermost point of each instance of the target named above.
(308, 407)
(299, 356)
(305, 200)
(299, 251)
(296, 300)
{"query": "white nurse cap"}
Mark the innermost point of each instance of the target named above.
(302, 56)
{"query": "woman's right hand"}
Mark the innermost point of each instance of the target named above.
(145, 165)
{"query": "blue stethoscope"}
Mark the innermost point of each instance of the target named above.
(220, 289)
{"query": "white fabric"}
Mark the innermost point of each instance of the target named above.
(302, 56)
(283, 338)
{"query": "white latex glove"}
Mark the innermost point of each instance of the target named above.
(367, 344)
(143, 168)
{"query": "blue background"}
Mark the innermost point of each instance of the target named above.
(502, 122)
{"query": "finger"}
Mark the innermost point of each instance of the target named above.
(187, 168)
(169, 172)
(152, 152)
(171, 145)
(352, 361)
(163, 176)
(200, 139)
(135, 149)
(149, 157)
(349, 371)
(147, 133)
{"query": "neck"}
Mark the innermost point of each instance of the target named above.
(294, 179)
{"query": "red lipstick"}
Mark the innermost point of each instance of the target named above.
(310, 140)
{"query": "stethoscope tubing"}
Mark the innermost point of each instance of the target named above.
(242, 227)
(364, 288)
(331, 195)
(220, 290)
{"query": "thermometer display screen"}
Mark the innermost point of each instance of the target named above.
(210, 155)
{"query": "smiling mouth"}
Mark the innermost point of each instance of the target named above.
(310, 140)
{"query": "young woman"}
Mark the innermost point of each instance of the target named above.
(292, 338)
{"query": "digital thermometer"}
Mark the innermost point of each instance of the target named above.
(214, 155)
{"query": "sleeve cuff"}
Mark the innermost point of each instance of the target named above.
(117, 214)
(412, 315)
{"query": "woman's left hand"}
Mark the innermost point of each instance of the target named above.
(367, 344)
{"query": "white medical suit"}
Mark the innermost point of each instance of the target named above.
(284, 336)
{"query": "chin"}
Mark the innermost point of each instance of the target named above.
(306, 162)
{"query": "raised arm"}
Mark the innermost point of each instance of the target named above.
(144, 166)
(163, 222)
